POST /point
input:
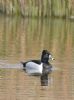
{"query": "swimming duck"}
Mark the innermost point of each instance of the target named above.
(40, 67)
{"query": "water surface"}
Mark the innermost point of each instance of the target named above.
(24, 39)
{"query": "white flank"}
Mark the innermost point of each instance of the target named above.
(33, 68)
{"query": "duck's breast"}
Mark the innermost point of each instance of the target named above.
(47, 68)
(34, 68)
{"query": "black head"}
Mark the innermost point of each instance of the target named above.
(46, 56)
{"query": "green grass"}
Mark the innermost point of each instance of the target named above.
(38, 8)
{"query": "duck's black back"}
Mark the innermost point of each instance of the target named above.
(36, 61)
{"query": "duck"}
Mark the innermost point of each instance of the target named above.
(40, 67)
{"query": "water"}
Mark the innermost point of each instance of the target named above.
(24, 39)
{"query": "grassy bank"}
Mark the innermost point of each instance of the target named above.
(38, 8)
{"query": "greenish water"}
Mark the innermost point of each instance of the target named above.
(24, 39)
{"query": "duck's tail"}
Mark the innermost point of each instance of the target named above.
(24, 64)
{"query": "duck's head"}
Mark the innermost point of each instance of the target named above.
(46, 56)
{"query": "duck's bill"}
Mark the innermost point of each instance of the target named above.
(50, 57)
(44, 80)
